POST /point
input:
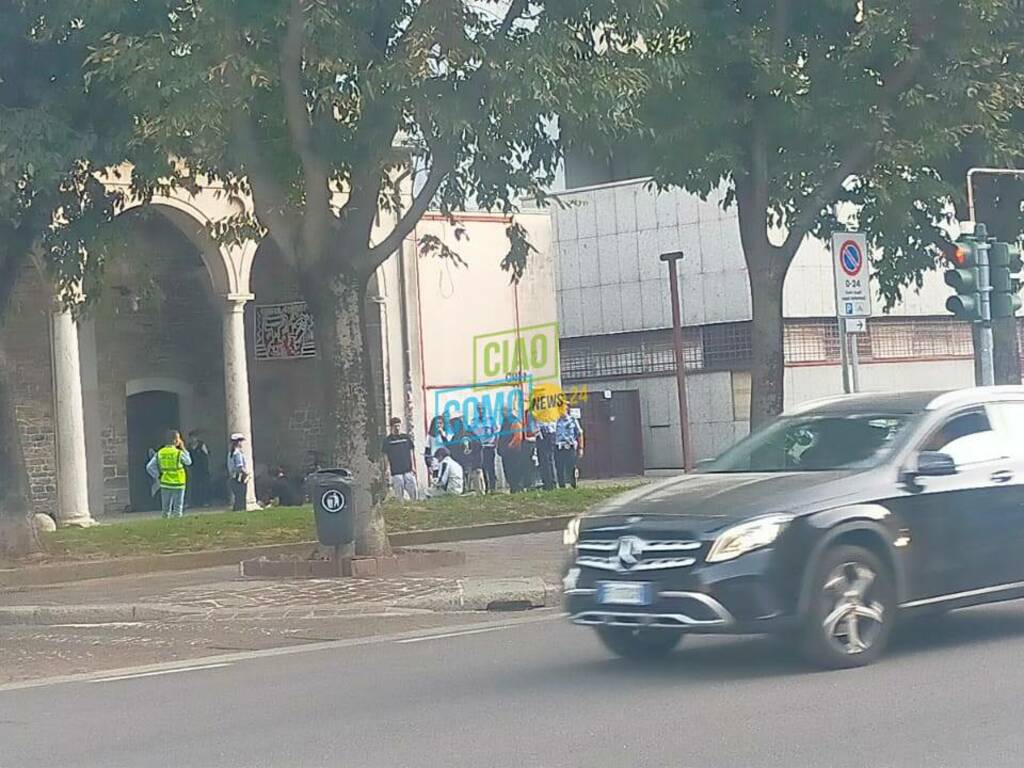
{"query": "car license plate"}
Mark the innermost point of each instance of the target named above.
(624, 593)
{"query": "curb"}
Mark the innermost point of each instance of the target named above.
(51, 615)
(480, 594)
(471, 594)
(59, 573)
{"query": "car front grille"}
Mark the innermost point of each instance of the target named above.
(630, 554)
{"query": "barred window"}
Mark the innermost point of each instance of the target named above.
(728, 346)
(924, 338)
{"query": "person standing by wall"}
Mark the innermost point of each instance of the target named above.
(545, 432)
(168, 467)
(199, 472)
(568, 446)
(512, 451)
(400, 452)
(238, 472)
(436, 438)
(486, 432)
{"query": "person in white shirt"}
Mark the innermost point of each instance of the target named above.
(449, 475)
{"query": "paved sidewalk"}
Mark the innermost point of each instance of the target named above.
(513, 569)
(127, 621)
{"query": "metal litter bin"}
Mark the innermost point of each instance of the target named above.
(333, 506)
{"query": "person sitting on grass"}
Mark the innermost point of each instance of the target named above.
(449, 475)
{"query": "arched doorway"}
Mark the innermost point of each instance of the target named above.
(150, 415)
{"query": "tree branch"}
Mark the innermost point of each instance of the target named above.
(442, 164)
(315, 170)
(269, 200)
(856, 157)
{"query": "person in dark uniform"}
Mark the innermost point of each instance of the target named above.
(199, 472)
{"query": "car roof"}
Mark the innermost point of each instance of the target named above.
(907, 402)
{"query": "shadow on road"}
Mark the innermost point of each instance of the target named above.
(958, 629)
(737, 659)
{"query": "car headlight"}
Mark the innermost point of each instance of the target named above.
(746, 537)
(571, 534)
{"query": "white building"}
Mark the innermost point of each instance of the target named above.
(615, 315)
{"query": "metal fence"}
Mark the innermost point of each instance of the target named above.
(729, 346)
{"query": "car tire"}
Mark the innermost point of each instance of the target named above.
(851, 609)
(639, 644)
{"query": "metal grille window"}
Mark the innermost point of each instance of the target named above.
(919, 339)
(728, 346)
(811, 342)
(628, 354)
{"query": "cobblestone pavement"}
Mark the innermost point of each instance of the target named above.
(222, 611)
(215, 589)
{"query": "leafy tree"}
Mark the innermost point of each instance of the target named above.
(51, 137)
(800, 106)
(346, 122)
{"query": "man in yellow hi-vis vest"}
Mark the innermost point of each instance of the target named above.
(168, 467)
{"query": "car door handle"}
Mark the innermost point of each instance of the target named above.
(1002, 476)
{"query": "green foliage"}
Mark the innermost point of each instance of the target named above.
(813, 104)
(402, 105)
(53, 136)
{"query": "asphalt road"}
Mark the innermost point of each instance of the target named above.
(543, 694)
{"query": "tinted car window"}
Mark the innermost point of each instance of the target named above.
(968, 438)
(814, 443)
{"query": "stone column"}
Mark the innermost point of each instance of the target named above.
(236, 381)
(72, 464)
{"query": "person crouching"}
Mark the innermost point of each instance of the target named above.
(449, 481)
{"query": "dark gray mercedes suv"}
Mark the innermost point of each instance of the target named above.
(826, 524)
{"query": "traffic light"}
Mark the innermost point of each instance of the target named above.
(1004, 265)
(964, 279)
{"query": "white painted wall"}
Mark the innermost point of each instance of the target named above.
(457, 303)
(607, 241)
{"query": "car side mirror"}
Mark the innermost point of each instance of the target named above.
(934, 464)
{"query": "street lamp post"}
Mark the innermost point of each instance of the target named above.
(677, 339)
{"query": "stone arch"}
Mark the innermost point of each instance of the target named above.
(190, 219)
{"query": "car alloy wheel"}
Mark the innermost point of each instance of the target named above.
(851, 610)
(856, 620)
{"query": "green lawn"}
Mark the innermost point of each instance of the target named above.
(287, 525)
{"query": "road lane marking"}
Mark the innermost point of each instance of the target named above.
(139, 675)
(447, 635)
(538, 616)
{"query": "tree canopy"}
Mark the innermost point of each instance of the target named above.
(797, 107)
(345, 122)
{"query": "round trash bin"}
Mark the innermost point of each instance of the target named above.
(333, 506)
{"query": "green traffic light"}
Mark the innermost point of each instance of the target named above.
(1004, 262)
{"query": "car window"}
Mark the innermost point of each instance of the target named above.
(968, 438)
(1008, 418)
(814, 443)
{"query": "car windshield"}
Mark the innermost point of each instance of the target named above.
(812, 443)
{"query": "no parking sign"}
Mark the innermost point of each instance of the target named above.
(849, 263)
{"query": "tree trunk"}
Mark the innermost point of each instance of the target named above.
(350, 434)
(768, 364)
(17, 532)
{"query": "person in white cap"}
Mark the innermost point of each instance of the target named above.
(238, 471)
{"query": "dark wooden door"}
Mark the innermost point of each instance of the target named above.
(150, 415)
(612, 435)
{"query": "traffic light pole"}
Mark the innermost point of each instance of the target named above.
(988, 376)
(988, 370)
